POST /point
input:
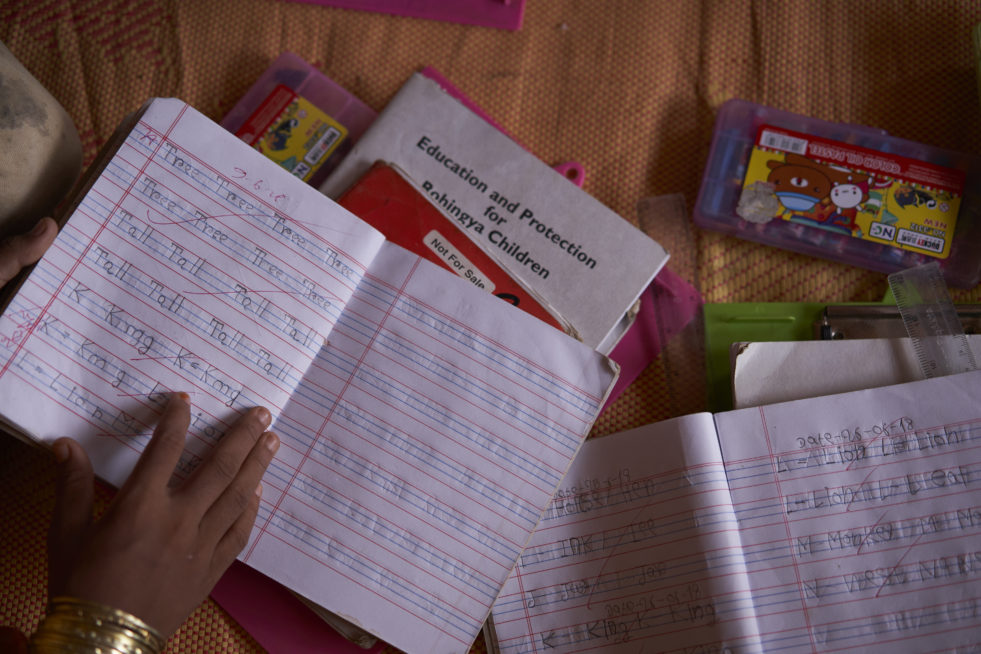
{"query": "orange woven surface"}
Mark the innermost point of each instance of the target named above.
(627, 87)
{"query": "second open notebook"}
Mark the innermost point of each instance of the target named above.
(425, 423)
(848, 522)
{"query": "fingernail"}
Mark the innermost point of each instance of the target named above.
(271, 441)
(258, 490)
(61, 451)
(183, 397)
(39, 228)
(262, 413)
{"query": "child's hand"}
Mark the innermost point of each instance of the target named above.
(159, 549)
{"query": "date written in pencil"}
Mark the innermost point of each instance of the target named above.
(854, 435)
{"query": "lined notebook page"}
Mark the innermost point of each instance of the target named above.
(419, 453)
(860, 517)
(845, 523)
(425, 424)
(638, 552)
(190, 266)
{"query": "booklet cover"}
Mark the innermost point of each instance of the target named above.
(589, 264)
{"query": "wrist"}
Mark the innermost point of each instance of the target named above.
(76, 626)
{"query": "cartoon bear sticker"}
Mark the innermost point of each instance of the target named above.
(829, 195)
(798, 182)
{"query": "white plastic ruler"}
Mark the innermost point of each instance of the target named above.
(931, 321)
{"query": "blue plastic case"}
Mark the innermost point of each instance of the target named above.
(887, 224)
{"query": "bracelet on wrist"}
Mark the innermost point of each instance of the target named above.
(76, 626)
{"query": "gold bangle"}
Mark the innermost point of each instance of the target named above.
(77, 626)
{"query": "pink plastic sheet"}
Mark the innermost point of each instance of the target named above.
(502, 14)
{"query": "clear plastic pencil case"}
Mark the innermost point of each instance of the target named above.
(844, 192)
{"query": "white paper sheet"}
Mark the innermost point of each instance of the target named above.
(860, 517)
(441, 447)
(766, 373)
(637, 552)
(422, 434)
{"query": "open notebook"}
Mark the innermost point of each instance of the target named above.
(849, 522)
(425, 424)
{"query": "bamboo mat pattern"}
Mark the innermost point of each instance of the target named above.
(627, 87)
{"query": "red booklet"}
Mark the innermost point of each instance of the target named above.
(387, 201)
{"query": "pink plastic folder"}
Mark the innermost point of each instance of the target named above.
(502, 14)
(276, 618)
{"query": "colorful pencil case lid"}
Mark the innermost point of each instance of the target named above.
(299, 118)
(843, 192)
